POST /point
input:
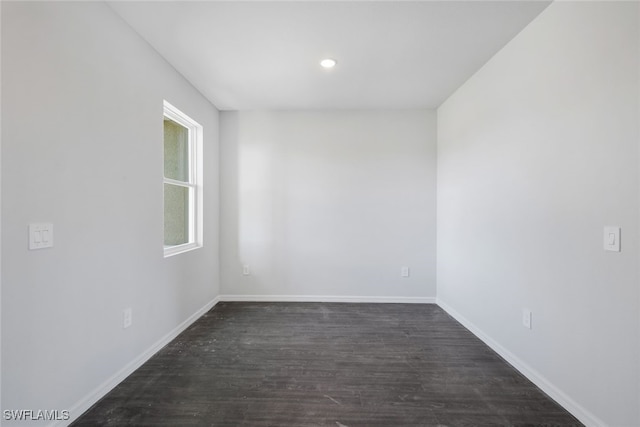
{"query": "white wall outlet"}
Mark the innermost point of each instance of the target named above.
(404, 272)
(526, 318)
(40, 236)
(246, 271)
(612, 239)
(127, 317)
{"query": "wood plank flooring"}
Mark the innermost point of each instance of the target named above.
(326, 364)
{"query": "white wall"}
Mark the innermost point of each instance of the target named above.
(82, 148)
(0, 212)
(536, 154)
(328, 204)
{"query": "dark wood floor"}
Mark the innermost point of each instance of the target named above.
(326, 364)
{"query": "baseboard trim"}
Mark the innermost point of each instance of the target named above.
(98, 393)
(326, 298)
(586, 417)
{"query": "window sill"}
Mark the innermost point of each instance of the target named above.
(179, 249)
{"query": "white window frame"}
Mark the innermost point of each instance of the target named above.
(195, 181)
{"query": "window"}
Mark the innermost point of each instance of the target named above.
(182, 182)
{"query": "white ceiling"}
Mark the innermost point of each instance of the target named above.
(256, 55)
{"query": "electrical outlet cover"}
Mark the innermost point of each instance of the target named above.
(526, 318)
(127, 318)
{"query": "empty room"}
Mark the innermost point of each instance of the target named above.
(320, 213)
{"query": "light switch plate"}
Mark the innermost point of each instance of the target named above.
(40, 236)
(612, 239)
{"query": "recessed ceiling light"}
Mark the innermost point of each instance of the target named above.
(328, 63)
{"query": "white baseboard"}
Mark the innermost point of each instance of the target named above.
(586, 417)
(326, 298)
(80, 407)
